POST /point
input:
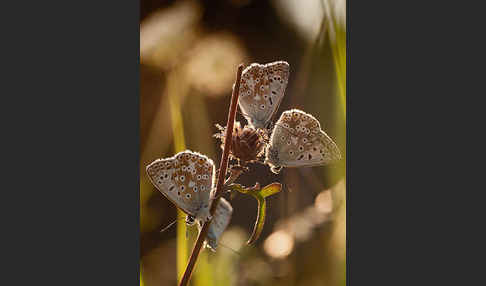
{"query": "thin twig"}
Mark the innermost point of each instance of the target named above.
(219, 187)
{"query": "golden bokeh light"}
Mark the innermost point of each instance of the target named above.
(279, 244)
(323, 202)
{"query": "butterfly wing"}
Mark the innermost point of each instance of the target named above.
(298, 141)
(221, 219)
(261, 91)
(186, 179)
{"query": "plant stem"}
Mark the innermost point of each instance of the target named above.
(219, 187)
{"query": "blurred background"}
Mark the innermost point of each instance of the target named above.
(189, 53)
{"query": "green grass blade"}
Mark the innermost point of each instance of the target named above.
(179, 145)
(338, 47)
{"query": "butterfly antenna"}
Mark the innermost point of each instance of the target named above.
(170, 224)
(167, 227)
(227, 247)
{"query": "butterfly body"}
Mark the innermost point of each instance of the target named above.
(298, 141)
(262, 88)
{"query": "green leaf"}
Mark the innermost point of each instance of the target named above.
(260, 221)
(259, 194)
(271, 189)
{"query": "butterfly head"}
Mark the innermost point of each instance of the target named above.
(190, 220)
(269, 126)
(272, 159)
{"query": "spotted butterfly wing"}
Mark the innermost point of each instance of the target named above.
(219, 223)
(261, 91)
(297, 140)
(186, 179)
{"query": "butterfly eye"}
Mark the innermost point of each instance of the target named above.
(291, 152)
(190, 220)
(262, 106)
(188, 196)
(286, 125)
(194, 189)
(182, 178)
(203, 188)
(182, 188)
(198, 177)
(288, 142)
(304, 140)
(301, 148)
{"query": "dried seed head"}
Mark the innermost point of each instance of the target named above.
(246, 144)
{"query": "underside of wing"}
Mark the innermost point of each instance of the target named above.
(185, 179)
(298, 141)
(220, 222)
(261, 91)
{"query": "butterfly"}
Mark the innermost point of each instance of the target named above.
(187, 179)
(222, 217)
(298, 141)
(262, 88)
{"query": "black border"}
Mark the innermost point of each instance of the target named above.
(72, 74)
